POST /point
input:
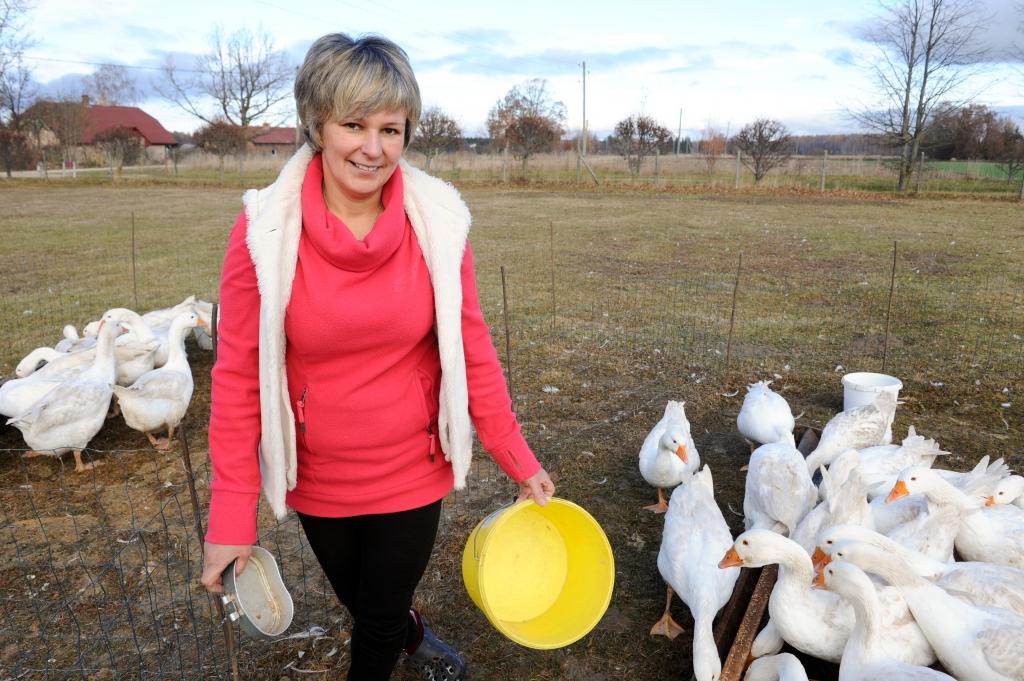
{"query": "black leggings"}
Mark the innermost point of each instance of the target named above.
(374, 563)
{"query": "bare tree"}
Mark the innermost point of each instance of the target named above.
(436, 132)
(123, 145)
(764, 144)
(526, 121)
(926, 50)
(710, 147)
(111, 84)
(243, 74)
(222, 139)
(16, 86)
(65, 118)
(637, 137)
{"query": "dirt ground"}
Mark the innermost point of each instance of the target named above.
(617, 304)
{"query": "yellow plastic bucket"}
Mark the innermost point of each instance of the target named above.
(542, 575)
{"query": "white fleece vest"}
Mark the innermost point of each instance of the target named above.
(441, 222)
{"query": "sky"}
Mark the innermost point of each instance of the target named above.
(721, 63)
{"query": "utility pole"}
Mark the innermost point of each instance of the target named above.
(679, 134)
(581, 146)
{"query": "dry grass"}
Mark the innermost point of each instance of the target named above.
(643, 285)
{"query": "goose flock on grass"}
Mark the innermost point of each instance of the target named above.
(61, 397)
(886, 567)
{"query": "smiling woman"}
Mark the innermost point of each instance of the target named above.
(353, 356)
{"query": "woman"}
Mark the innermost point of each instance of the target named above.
(352, 354)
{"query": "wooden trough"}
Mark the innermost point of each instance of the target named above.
(746, 612)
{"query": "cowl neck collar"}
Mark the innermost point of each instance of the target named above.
(333, 240)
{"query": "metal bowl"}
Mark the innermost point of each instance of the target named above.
(257, 599)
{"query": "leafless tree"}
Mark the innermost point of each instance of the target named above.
(436, 132)
(222, 139)
(925, 49)
(122, 144)
(764, 144)
(65, 118)
(16, 86)
(637, 137)
(111, 84)
(526, 121)
(243, 74)
(710, 147)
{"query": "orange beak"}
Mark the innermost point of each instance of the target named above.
(990, 501)
(820, 558)
(681, 453)
(200, 322)
(102, 322)
(819, 580)
(730, 559)
(899, 491)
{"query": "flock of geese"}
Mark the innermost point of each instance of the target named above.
(61, 395)
(885, 567)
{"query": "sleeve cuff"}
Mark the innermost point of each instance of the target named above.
(232, 518)
(516, 458)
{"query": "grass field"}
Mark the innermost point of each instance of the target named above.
(618, 301)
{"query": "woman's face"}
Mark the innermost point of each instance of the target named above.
(359, 154)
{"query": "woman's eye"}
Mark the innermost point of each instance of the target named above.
(351, 126)
(392, 131)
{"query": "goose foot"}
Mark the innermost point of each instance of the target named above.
(31, 454)
(81, 467)
(659, 507)
(667, 626)
(744, 468)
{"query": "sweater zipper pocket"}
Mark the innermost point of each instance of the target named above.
(302, 413)
(433, 443)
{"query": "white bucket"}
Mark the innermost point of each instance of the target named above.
(861, 388)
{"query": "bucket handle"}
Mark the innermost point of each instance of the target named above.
(483, 522)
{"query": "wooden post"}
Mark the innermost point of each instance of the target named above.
(736, 184)
(508, 337)
(920, 171)
(135, 286)
(732, 315)
(657, 158)
(554, 306)
(824, 162)
(888, 310)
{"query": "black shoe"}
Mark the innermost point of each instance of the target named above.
(434, 659)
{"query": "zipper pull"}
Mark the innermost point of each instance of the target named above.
(302, 410)
(433, 444)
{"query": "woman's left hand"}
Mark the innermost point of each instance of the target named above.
(537, 487)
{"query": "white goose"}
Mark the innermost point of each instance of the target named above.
(973, 643)
(70, 415)
(35, 360)
(778, 490)
(1009, 490)
(865, 657)
(846, 503)
(694, 538)
(668, 454)
(857, 428)
(765, 416)
(817, 622)
(159, 398)
(998, 586)
(781, 667)
(879, 465)
(72, 342)
(991, 535)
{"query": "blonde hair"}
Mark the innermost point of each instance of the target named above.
(341, 78)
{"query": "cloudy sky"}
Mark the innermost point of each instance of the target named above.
(722, 63)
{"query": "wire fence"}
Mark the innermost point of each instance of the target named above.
(99, 571)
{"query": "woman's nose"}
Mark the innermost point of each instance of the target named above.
(371, 144)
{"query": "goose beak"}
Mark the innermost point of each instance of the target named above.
(819, 581)
(990, 501)
(730, 559)
(200, 322)
(899, 491)
(681, 453)
(820, 558)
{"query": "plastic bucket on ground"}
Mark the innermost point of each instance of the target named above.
(543, 576)
(861, 388)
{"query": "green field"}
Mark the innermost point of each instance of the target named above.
(617, 301)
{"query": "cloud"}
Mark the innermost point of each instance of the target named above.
(840, 56)
(550, 62)
(703, 63)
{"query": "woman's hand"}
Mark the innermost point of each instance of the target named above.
(216, 557)
(537, 487)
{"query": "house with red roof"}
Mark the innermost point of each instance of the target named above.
(155, 138)
(275, 141)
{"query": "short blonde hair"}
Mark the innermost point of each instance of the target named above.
(342, 78)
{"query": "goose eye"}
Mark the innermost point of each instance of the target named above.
(1001, 494)
(746, 543)
(913, 479)
(828, 541)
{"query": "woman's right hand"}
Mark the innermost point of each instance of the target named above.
(216, 557)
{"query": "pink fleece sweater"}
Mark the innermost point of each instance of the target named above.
(363, 374)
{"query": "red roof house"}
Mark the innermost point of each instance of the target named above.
(100, 118)
(276, 136)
